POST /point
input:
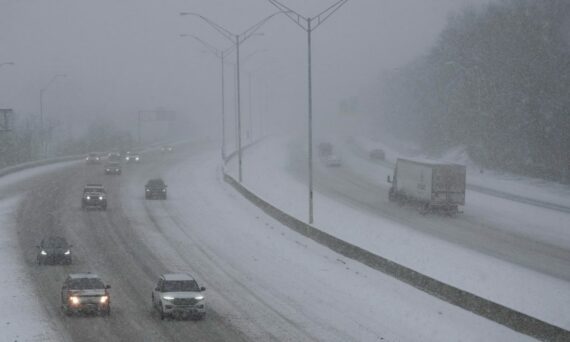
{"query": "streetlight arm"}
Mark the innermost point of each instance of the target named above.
(51, 81)
(215, 51)
(294, 16)
(324, 15)
(303, 21)
(226, 33)
(251, 31)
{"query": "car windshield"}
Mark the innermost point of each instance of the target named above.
(155, 182)
(93, 190)
(54, 242)
(86, 283)
(180, 286)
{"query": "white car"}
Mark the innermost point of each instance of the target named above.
(178, 295)
(332, 160)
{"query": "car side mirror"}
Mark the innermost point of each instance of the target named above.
(389, 180)
(202, 288)
(108, 286)
(37, 246)
(157, 289)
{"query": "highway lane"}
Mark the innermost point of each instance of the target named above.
(104, 243)
(267, 285)
(469, 231)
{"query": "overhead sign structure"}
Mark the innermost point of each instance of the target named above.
(5, 119)
(158, 115)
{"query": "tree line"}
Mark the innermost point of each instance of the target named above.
(497, 81)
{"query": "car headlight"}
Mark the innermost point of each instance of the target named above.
(104, 299)
(108, 170)
(199, 297)
(67, 252)
(87, 158)
(74, 300)
(100, 198)
(43, 252)
(88, 197)
(147, 189)
(137, 158)
(168, 298)
(163, 190)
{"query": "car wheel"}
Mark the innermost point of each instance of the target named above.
(161, 311)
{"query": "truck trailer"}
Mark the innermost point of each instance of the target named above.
(435, 187)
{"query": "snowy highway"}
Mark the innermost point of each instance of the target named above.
(511, 253)
(263, 281)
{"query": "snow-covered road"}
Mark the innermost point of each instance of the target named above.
(512, 253)
(264, 281)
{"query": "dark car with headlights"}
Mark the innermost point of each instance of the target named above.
(54, 250)
(85, 293)
(155, 189)
(113, 168)
(178, 295)
(94, 196)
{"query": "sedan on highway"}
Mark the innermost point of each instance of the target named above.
(85, 293)
(178, 295)
(54, 250)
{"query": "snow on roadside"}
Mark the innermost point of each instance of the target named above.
(331, 297)
(22, 317)
(541, 296)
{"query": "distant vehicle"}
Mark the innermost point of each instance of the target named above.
(93, 158)
(436, 187)
(114, 157)
(155, 188)
(132, 157)
(325, 149)
(94, 196)
(178, 295)
(54, 250)
(331, 160)
(113, 168)
(377, 154)
(167, 148)
(85, 293)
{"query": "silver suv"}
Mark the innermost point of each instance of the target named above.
(85, 293)
(178, 295)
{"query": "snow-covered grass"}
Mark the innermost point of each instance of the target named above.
(536, 294)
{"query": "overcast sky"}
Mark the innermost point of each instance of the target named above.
(121, 56)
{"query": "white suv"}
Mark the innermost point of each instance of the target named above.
(178, 295)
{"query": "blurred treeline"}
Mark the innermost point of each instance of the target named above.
(27, 142)
(497, 81)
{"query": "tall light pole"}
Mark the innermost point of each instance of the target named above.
(42, 91)
(306, 23)
(236, 39)
(221, 55)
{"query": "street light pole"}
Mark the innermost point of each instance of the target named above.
(236, 39)
(306, 23)
(221, 54)
(42, 91)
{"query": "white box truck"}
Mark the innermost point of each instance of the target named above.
(436, 187)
